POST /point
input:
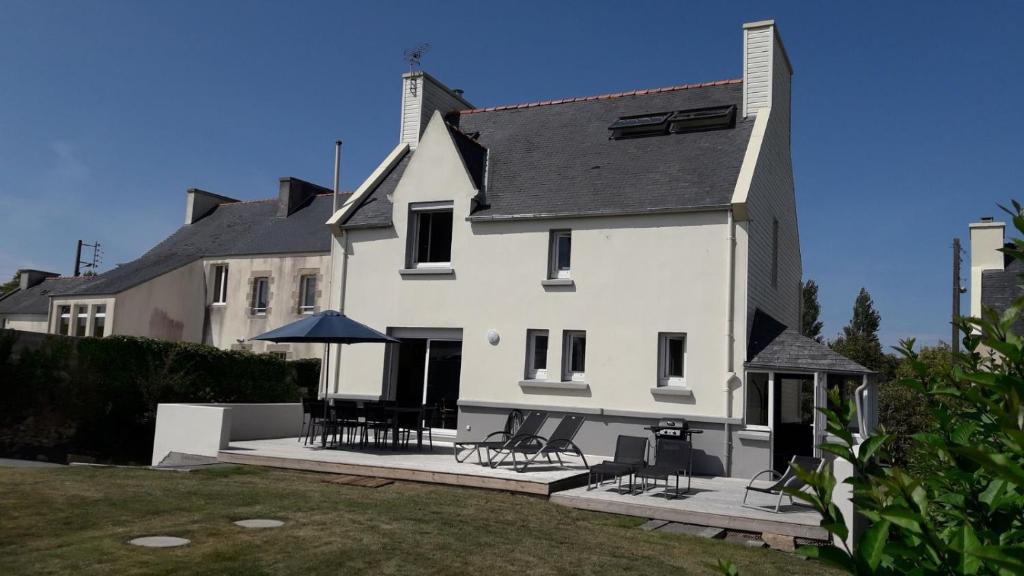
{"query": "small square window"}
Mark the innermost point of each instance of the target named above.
(672, 359)
(220, 283)
(536, 354)
(260, 289)
(757, 399)
(574, 355)
(430, 234)
(307, 294)
(560, 254)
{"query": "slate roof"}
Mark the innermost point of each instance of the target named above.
(233, 229)
(774, 345)
(554, 159)
(999, 288)
(36, 299)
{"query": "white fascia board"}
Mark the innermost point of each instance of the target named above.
(369, 184)
(750, 157)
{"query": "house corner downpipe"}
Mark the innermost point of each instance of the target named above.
(730, 373)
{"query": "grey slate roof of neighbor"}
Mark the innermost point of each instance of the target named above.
(233, 229)
(999, 288)
(556, 159)
(36, 299)
(774, 345)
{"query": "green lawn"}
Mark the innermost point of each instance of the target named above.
(76, 520)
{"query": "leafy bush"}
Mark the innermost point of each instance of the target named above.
(98, 396)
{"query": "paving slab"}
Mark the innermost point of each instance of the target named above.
(16, 463)
(692, 530)
(653, 524)
(259, 523)
(159, 541)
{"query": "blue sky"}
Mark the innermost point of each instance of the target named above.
(906, 121)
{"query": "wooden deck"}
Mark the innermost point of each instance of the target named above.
(437, 466)
(712, 502)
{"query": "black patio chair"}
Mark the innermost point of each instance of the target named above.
(512, 423)
(671, 459)
(789, 479)
(629, 457)
(418, 422)
(312, 419)
(345, 424)
(559, 442)
(377, 421)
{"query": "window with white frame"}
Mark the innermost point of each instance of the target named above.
(220, 283)
(536, 354)
(758, 402)
(574, 355)
(99, 320)
(81, 320)
(307, 294)
(64, 320)
(260, 292)
(671, 359)
(775, 253)
(560, 254)
(430, 234)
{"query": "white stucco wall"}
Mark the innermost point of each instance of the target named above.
(168, 307)
(24, 322)
(634, 277)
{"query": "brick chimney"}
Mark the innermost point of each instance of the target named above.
(199, 203)
(986, 240)
(294, 193)
(29, 278)
(422, 94)
(767, 72)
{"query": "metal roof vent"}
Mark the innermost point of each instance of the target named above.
(701, 119)
(640, 125)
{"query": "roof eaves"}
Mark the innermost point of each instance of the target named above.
(597, 213)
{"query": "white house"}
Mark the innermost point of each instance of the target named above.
(629, 257)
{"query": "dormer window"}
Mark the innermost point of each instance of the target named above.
(430, 235)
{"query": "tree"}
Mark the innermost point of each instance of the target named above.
(10, 285)
(810, 323)
(859, 341)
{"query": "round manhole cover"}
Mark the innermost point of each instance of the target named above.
(159, 541)
(259, 523)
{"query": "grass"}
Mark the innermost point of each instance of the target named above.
(78, 520)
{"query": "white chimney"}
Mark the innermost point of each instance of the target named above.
(986, 240)
(766, 68)
(422, 94)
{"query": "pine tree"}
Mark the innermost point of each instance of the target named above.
(859, 341)
(810, 323)
(10, 285)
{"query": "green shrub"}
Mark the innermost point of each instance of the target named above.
(98, 396)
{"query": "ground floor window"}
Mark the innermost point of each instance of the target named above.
(536, 354)
(757, 400)
(64, 320)
(671, 359)
(574, 355)
(81, 320)
(99, 320)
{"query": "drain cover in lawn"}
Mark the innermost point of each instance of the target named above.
(159, 541)
(259, 523)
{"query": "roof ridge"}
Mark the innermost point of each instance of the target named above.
(640, 92)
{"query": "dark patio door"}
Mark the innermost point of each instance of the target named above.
(793, 422)
(444, 367)
(412, 361)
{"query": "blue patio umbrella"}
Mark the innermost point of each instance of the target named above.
(327, 327)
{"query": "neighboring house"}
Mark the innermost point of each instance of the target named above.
(995, 277)
(234, 270)
(27, 307)
(630, 257)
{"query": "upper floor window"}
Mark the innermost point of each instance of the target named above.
(574, 355)
(260, 293)
(64, 320)
(99, 320)
(560, 254)
(536, 354)
(81, 320)
(672, 360)
(307, 294)
(430, 234)
(775, 253)
(220, 283)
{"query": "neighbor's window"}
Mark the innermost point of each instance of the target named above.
(220, 283)
(574, 355)
(560, 254)
(536, 354)
(99, 320)
(260, 287)
(775, 253)
(81, 320)
(64, 320)
(279, 354)
(307, 294)
(671, 359)
(430, 234)
(757, 399)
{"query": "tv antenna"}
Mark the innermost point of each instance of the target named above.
(414, 55)
(93, 263)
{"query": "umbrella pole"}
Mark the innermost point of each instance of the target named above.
(325, 369)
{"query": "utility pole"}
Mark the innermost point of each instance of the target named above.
(957, 290)
(92, 264)
(78, 259)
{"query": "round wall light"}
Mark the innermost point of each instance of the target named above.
(493, 337)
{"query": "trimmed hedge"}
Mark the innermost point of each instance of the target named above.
(97, 397)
